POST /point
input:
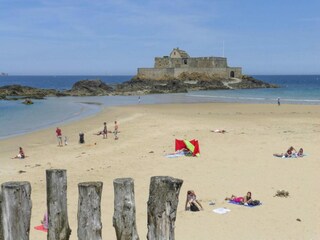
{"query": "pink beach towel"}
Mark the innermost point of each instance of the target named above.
(41, 228)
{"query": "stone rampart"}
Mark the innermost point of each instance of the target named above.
(174, 73)
(155, 73)
(199, 62)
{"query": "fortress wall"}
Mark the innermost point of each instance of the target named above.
(237, 71)
(200, 62)
(221, 72)
(168, 73)
(155, 73)
(164, 62)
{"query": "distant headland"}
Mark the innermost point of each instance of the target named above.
(175, 73)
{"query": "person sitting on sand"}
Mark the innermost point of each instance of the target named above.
(242, 200)
(192, 204)
(45, 222)
(300, 153)
(21, 154)
(219, 131)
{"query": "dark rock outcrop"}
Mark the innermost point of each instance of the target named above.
(250, 82)
(11, 92)
(89, 88)
(185, 82)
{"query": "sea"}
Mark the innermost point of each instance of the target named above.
(17, 118)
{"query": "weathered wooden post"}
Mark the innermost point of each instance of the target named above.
(162, 207)
(58, 227)
(124, 217)
(89, 211)
(1, 227)
(16, 208)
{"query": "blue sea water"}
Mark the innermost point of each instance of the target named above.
(17, 118)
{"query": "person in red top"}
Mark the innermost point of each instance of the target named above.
(59, 137)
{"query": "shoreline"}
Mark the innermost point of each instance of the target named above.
(231, 163)
(191, 97)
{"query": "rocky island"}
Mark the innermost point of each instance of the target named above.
(171, 74)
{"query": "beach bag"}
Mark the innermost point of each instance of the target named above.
(254, 203)
(194, 208)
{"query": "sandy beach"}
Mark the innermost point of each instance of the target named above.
(238, 161)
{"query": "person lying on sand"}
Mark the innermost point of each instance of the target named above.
(219, 131)
(21, 154)
(291, 152)
(242, 200)
(184, 151)
(192, 204)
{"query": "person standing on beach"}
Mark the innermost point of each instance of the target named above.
(278, 101)
(105, 130)
(116, 130)
(139, 99)
(59, 136)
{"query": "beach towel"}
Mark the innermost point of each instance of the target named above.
(292, 156)
(192, 146)
(221, 210)
(41, 228)
(174, 155)
(246, 205)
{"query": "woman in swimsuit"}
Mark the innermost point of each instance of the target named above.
(300, 153)
(192, 203)
(288, 154)
(241, 200)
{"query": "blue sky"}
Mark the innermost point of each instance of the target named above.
(118, 36)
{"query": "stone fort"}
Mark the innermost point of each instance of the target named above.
(179, 61)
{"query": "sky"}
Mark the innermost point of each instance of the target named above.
(115, 37)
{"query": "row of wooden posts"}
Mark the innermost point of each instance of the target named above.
(16, 205)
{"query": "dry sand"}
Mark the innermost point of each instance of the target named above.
(232, 163)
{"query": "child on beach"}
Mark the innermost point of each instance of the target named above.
(65, 140)
(21, 154)
(116, 131)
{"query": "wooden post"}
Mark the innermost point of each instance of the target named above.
(162, 207)
(89, 211)
(1, 226)
(58, 227)
(16, 208)
(124, 217)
